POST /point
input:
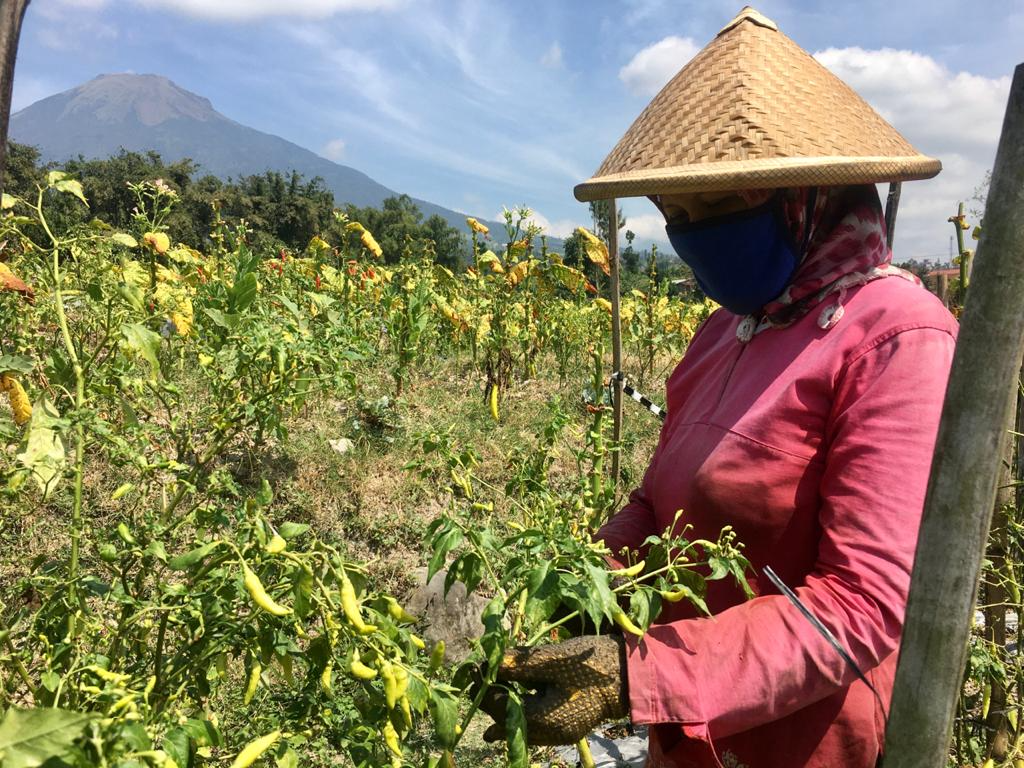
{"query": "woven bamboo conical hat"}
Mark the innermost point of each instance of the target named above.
(753, 110)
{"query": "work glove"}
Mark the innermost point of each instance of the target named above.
(576, 685)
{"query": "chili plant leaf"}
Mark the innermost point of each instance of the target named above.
(444, 709)
(43, 451)
(145, 342)
(542, 588)
(515, 732)
(34, 737)
(601, 601)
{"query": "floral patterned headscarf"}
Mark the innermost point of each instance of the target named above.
(844, 232)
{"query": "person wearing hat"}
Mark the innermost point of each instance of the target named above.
(803, 414)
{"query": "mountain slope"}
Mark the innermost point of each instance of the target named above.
(149, 112)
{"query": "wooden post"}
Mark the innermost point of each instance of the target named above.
(965, 470)
(613, 259)
(11, 14)
(997, 734)
(892, 204)
(944, 289)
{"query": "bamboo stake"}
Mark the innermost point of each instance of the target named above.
(613, 259)
(11, 14)
(965, 468)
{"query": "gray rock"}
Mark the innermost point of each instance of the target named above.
(622, 752)
(342, 445)
(454, 618)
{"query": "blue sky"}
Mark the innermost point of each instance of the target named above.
(479, 105)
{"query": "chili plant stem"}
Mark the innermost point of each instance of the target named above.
(586, 757)
(76, 512)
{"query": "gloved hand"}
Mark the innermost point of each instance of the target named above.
(578, 684)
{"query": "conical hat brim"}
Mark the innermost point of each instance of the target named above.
(753, 110)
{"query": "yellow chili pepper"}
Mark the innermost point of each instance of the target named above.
(325, 678)
(350, 605)
(493, 402)
(254, 749)
(391, 739)
(277, 544)
(417, 641)
(397, 612)
(259, 594)
(626, 624)
(360, 670)
(401, 681)
(254, 681)
(387, 673)
(634, 570)
(437, 656)
(672, 596)
(406, 712)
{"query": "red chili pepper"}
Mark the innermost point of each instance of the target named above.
(316, 280)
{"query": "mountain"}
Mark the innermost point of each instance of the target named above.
(149, 112)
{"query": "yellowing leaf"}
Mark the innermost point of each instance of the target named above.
(518, 272)
(11, 282)
(318, 245)
(596, 250)
(124, 239)
(491, 258)
(476, 226)
(370, 244)
(42, 452)
(60, 181)
(18, 399)
(157, 241)
(518, 248)
(145, 342)
(7, 202)
(604, 304)
(570, 278)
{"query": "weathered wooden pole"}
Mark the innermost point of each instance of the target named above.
(892, 205)
(965, 470)
(613, 261)
(11, 14)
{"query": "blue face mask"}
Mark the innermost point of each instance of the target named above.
(741, 260)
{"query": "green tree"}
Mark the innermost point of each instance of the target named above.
(630, 258)
(600, 214)
(451, 247)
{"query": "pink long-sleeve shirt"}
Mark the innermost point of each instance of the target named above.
(815, 445)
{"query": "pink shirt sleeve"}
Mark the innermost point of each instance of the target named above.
(631, 524)
(761, 660)
(636, 521)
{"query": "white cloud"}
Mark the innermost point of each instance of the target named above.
(246, 10)
(560, 228)
(91, 5)
(647, 226)
(954, 116)
(552, 56)
(334, 150)
(655, 65)
(945, 110)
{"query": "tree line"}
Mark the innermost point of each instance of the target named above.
(284, 210)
